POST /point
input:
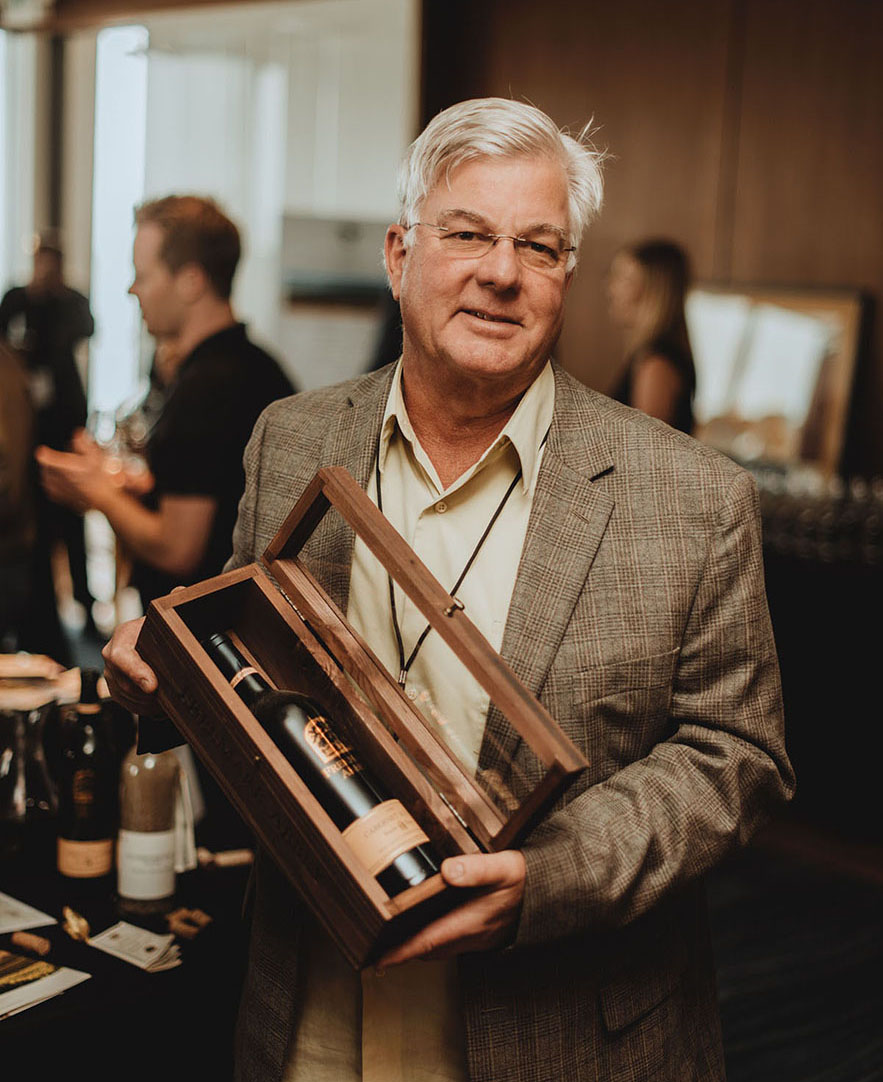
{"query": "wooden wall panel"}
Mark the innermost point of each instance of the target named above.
(653, 77)
(808, 203)
(749, 130)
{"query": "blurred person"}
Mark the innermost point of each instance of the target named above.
(17, 494)
(217, 381)
(46, 320)
(621, 578)
(646, 287)
(185, 254)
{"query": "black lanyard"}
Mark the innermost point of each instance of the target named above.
(404, 665)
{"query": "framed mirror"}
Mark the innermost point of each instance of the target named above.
(774, 371)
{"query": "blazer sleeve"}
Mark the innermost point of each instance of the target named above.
(623, 845)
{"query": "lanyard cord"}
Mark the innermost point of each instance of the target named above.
(404, 665)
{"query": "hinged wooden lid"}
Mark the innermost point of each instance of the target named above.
(335, 487)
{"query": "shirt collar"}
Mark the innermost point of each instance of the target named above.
(525, 430)
(228, 337)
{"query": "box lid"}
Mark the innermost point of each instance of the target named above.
(483, 801)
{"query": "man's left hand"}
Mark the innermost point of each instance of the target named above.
(487, 920)
(76, 479)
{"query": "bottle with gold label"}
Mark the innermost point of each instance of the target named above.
(87, 799)
(381, 833)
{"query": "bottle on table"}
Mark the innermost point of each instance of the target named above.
(150, 797)
(87, 788)
(381, 833)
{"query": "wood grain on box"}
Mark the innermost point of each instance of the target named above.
(296, 635)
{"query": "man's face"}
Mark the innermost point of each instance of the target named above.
(155, 285)
(625, 285)
(485, 318)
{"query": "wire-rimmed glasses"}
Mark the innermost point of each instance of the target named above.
(540, 252)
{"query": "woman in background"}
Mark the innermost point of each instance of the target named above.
(646, 287)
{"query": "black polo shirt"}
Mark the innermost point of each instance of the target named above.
(197, 443)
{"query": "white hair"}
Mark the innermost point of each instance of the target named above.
(501, 128)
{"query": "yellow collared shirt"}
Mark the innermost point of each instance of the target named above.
(406, 1026)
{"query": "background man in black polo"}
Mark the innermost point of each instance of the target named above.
(185, 256)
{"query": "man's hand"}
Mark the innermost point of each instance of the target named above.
(485, 921)
(78, 480)
(129, 472)
(131, 681)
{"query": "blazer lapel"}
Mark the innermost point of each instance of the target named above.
(567, 522)
(351, 442)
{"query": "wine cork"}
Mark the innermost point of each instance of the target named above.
(227, 858)
(187, 923)
(77, 927)
(30, 942)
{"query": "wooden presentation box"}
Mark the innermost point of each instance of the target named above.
(293, 632)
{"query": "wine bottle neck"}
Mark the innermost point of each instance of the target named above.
(244, 678)
(249, 685)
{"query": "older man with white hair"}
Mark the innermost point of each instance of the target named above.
(616, 565)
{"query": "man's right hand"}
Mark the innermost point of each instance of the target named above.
(131, 681)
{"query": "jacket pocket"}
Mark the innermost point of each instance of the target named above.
(621, 710)
(646, 962)
(647, 673)
(627, 999)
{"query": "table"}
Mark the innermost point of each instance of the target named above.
(124, 1023)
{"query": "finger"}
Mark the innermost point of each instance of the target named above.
(46, 456)
(429, 942)
(132, 677)
(465, 928)
(484, 869)
(125, 666)
(82, 441)
(132, 698)
(481, 923)
(476, 924)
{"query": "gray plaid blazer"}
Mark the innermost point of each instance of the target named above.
(640, 620)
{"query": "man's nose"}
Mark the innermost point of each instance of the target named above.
(500, 265)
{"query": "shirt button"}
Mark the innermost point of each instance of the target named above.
(441, 507)
(411, 693)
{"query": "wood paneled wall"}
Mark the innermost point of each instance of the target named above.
(751, 131)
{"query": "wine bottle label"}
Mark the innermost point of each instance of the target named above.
(146, 864)
(335, 756)
(85, 860)
(387, 831)
(83, 789)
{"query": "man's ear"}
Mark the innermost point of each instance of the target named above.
(191, 282)
(394, 255)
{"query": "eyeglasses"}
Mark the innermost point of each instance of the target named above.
(471, 244)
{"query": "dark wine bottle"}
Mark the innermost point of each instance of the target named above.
(87, 800)
(382, 835)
